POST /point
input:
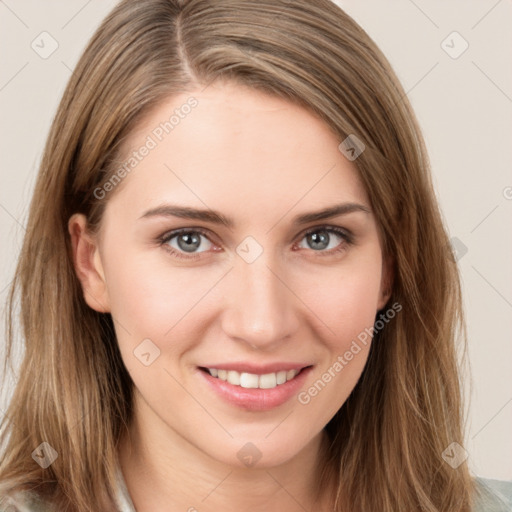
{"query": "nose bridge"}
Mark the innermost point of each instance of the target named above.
(259, 309)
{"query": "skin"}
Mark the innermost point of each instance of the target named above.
(259, 160)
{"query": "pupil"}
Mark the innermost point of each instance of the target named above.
(191, 242)
(319, 241)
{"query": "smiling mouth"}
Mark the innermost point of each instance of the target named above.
(252, 380)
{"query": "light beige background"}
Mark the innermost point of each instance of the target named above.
(464, 105)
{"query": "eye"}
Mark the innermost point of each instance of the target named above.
(185, 242)
(321, 238)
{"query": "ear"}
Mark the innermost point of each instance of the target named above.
(87, 263)
(386, 285)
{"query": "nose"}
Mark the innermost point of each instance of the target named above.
(260, 307)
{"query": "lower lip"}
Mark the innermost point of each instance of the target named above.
(255, 399)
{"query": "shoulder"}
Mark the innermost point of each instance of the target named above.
(492, 495)
(30, 501)
(23, 501)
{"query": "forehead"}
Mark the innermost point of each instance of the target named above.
(234, 148)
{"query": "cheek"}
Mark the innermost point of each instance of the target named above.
(346, 308)
(152, 302)
(344, 299)
(150, 295)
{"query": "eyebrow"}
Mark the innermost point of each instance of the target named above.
(214, 217)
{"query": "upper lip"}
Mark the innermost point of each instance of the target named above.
(258, 369)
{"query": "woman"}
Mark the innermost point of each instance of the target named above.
(236, 288)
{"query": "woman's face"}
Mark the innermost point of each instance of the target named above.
(248, 288)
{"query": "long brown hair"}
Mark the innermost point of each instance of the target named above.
(73, 391)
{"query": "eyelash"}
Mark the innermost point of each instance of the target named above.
(166, 237)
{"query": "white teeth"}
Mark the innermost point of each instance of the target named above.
(233, 378)
(251, 380)
(248, 380)
(281, 377)
(268, 381)
(290, 374)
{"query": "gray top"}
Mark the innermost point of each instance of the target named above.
(496, 497)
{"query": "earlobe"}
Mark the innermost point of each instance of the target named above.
(87, 264)
(385, 295)
(386, 283)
